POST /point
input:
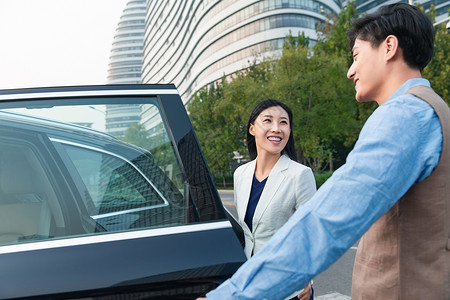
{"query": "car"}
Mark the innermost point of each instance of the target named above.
(105, 194)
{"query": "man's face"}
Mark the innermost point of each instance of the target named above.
(367, 70)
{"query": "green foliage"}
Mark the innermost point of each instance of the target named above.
(333, 42)
(321, 98)
(157, 144)
(312, 82)
(333, 33)
(438, 70)
(322, 177)
(137, 135)
(210, 117)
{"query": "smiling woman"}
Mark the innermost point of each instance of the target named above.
(53, 43)
(271, 187)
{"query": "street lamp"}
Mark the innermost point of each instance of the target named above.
(96, 109)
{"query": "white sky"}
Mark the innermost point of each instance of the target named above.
(56, 42)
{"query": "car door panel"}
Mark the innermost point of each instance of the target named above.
(138, 218)
(89, 264)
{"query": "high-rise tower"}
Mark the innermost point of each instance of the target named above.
(126, 63)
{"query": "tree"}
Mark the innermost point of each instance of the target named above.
(333, 41)
(438, 70)
(332, 33)
(157, 143)
(209, 119)
(322, 100)
(137, 135)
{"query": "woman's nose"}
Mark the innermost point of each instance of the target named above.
(275, 127)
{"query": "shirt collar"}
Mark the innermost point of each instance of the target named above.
(407, 85)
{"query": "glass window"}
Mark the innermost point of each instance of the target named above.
(87, 166)
(121, 193)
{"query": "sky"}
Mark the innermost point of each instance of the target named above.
(56, 42)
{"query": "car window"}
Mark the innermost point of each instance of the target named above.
(114, 184)
(101, 166)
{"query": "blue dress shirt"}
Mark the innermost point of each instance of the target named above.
(399, 145)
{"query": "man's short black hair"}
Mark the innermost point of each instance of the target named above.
(413, 29)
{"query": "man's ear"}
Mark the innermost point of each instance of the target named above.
(391, 47)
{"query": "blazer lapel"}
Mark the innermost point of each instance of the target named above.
(245, 187)
(276, 177)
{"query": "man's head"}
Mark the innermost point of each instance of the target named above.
(413, 29)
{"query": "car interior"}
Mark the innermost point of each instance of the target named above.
(29, 208)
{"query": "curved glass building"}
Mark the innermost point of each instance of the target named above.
(125, 60)
(125, 64)
(369, 6)
(195, 43)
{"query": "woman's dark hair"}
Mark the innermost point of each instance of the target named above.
(413, 29)
(289, 149)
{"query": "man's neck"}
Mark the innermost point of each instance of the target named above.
(395, 80)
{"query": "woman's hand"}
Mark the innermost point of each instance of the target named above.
(306, 293)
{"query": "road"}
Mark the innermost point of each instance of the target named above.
(335, 283)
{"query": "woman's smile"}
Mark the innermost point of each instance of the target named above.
(274, 139)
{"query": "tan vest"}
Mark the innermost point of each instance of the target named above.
(406, 253)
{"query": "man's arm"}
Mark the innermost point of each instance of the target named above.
(386, 161)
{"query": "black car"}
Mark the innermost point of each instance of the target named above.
(105, 194)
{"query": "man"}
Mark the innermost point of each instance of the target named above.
(396, 181)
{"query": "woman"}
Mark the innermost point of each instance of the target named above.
(271, 187)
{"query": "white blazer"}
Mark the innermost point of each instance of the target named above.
(288, 186)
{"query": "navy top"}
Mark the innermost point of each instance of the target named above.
(255, 194)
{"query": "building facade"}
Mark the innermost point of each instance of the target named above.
(195, 43)
(369, 6)
(125, 64)
(125, 60)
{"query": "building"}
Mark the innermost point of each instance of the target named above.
(369, 6)
(125, 64)
(125, 61)
(195, 43)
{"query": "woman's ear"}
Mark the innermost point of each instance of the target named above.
(251, 129)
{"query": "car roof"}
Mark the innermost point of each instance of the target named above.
(88, 90)
(25, 94)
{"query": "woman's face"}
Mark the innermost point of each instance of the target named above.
(271, 130)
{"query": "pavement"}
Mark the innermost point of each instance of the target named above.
(332, 296)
